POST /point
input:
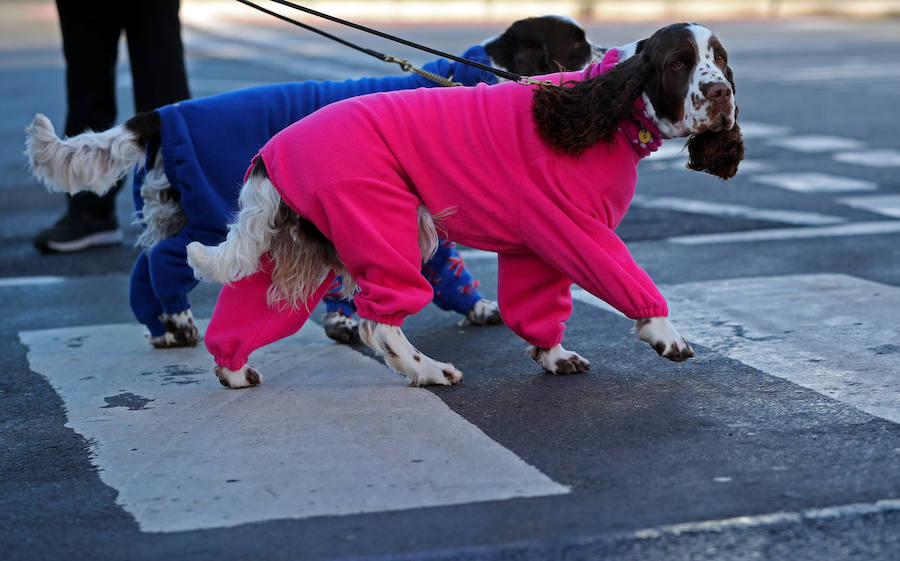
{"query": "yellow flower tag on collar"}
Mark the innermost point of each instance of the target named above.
(644, 136)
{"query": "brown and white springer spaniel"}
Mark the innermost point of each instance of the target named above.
(681, 75)
(687, 86)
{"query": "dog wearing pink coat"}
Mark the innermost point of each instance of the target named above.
(361, 187)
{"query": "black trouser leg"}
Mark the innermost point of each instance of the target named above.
(153, 31)
(91, 33)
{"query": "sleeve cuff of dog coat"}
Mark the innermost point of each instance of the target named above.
(364, 311)
(650, 312)
(546, 343)
(234, 363)
(176, 304)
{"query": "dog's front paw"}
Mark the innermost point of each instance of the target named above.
(664, 338)
(484, 312)
(245, 377)
(557, 360)
(341, 328)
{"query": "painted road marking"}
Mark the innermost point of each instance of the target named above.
(735, 211)
(29, 281)
(888, 205)
(827, 75)
(669, 150)
(476, 254)
(813, 182)
(329, 432)
(817, 143)
(771, 519)
(871, 158)
(753, 166)
(779, 234)
(751, 129)
(835, 334)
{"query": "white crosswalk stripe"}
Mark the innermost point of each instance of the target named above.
(816, 143)
(329, 432)
(835, 334)
(30, 281)
(871, 158)
(735, 211)
(814, 182)
(801, 233)
(887, 205)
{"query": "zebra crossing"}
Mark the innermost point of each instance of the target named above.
(854, 154)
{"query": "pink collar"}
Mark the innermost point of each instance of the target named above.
(640, 129)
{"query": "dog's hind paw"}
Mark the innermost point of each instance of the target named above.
(484, 312)
(341, 328)
(180, 331)
(557, 360)
(245, 377)
(434, 373)
(390, 342)
(664, 338)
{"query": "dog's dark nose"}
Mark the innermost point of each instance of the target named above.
(720, 92)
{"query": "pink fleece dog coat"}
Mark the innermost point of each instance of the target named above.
(360, 168)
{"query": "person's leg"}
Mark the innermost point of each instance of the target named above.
(90, 32)
(153, 31)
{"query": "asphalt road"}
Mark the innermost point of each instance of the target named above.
(779, 440)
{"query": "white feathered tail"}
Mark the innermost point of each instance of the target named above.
(90, 161)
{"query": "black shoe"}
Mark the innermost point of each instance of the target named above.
(78, 232)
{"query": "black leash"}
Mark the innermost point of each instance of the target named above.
(404, 64)
(386, 58)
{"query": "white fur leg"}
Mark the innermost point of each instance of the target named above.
(248, 237)
(164, 341)
(484, 312)
(245, 377)
(161, 216)
(664, 338)
(341, 328)
(91, 161)
(557, 360)
(390, 342)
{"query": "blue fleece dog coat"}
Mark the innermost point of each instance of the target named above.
(206, 145)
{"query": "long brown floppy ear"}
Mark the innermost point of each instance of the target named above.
(573, 118)
(718, 153)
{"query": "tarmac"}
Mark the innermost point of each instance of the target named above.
(779, 440)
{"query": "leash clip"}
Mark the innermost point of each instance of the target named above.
(529, 82)
(404, 64)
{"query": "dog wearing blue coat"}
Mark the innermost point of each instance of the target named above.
(191, 156)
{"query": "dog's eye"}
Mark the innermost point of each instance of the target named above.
(720, 59)
(677, 64)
